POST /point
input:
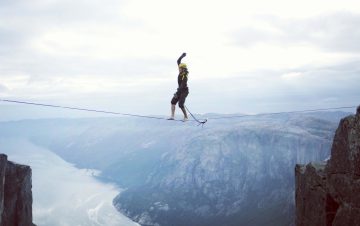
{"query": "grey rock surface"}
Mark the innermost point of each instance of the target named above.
(310, 194)
(3, 161)
(330, 194)
(15, 194)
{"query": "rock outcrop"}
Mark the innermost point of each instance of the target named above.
(328, 193)
(15, 194)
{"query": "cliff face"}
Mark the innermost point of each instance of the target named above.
(242, 175)
(15, 194)
(328, 193)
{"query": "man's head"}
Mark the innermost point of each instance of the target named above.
(182, 67)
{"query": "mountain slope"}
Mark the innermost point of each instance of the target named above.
(228, 176)
(230, 172)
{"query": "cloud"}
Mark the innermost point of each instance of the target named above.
(334, 32)
(12, 43)
(292, 75)
(94, 52)
(26, 28)
(3, 88)
(248, 36)
(61, 12)
(83, 38)
(281, 90)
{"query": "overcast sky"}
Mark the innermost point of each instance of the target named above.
(120, 55)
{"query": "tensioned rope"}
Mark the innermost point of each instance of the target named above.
(79, 109)
(282, 112)
(92, 110)
(201, 122)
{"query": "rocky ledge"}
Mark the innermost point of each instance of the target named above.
(15, 194)
(328, 193)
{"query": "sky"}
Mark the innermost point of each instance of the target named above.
(120, 55)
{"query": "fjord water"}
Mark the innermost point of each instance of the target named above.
(63, 194)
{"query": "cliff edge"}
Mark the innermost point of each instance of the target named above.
(328, 193)
(15, 194)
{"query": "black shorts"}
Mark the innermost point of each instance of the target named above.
(180, 98)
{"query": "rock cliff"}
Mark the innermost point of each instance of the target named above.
(236, 175)
(328, 193)
(15, 194)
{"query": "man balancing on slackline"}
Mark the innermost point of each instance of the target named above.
(182, 90)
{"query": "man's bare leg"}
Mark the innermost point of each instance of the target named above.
(185, 114)
(172, 111)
